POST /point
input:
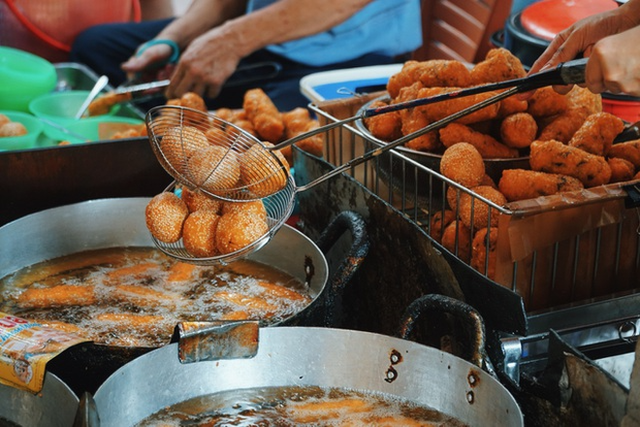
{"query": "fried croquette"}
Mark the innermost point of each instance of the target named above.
(439, 222)
(165, 214)
(499, 65)
(4, 119)
(483, 259)
(13, 129)
(597, 133)
(296, 122)
(237, 230)
(197, 200)
(522, 184)
(621, 170)
(104, 104)
(475, 212)
(487, 146)
(215, 169)
(547, 102)
(511, 105)
(431, 73)
(199, 233)
(564, 125)
(386, 127)
(629, 150)
(442, 109)
(263, 171)
(57, 296)
(555, 157)
(518, 130)
(584, 98)
(179, 144)
(263, 114)
(456, 238)
(414, 121)
(463, 164)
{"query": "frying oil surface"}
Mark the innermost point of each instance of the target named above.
(136, 296)
(298, 406)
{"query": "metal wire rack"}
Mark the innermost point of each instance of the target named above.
(553, 251)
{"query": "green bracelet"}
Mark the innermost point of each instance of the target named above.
(175, 49)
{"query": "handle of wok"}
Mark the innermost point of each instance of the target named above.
(571, 72)
(380, 150)
(439, 303)
(346, 221)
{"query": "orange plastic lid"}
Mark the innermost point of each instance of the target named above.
(547, 18)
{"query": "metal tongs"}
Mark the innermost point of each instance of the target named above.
(571, 72)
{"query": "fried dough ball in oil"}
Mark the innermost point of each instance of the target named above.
(179, 144)
(518, 130)
(215, 169)
(463, 164)
(597, 133)
(165, 214)
(460, 234)
(487, 146)
(261, 172)
(521, 184)
(237, 230)
(196, 200)
(555, 157)
(199, 233)
(473, 211)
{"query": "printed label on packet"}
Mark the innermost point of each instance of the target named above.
(25, 349)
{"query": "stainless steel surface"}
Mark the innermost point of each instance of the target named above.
(312, 356)
(95, 91)
(109, 223)
(142, 87)
(54, 406)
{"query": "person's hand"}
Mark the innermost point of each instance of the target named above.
(150, 63)
(206, 64)
(614, 64)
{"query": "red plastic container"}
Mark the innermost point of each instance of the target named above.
(624, 106)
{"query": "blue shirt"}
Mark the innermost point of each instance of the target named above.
(387, 27)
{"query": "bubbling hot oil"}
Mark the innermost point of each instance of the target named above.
(141, 294)
(298, 406)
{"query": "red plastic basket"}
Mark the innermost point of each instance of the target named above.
(47, 28)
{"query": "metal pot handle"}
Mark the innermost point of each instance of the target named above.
(461, 310)
(350, 262)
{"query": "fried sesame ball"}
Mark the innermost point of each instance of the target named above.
(263, 173)
(13, 129)
(480, 218)
(165, 214)
(255, 207)
(179, 144)
(197, 200)
(463, 164)
(215, 169)
(237, 230)
(199, 233)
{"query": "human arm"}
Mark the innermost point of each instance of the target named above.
(212, 57)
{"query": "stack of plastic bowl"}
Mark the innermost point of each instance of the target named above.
(23, 77)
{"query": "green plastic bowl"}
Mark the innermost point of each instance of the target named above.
(34, 129)
(61, 107)
(86, 130)
(23, 77)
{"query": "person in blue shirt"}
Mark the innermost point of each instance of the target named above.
(222, 48)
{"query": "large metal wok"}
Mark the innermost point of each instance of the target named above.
(305, 356)
(54, 406)
(120, 223)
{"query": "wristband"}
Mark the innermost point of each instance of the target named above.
(175, 49)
